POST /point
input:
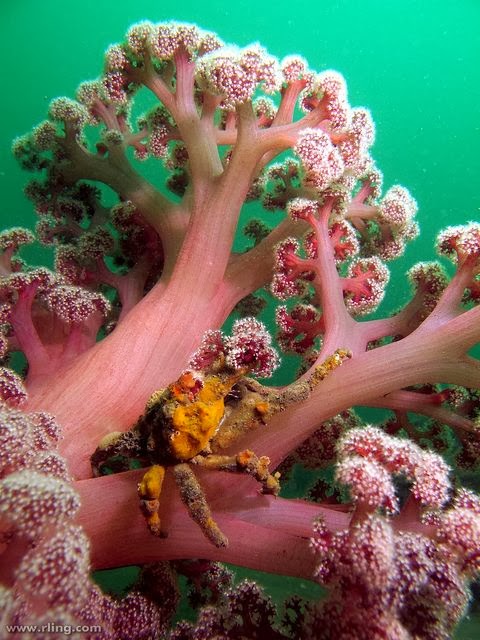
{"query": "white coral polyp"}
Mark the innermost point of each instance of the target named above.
(31, 500)
(235, 74)
(321, 160)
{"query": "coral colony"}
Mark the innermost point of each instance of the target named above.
(138, 433)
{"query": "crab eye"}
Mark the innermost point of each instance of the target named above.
(234, 395)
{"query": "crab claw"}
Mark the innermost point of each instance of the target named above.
(149, 490)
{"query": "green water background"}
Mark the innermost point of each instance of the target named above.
(414, 64)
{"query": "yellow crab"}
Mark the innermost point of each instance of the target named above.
(192, 421)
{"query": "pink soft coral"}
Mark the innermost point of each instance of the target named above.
(156, 272)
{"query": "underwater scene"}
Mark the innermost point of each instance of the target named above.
(240, 320)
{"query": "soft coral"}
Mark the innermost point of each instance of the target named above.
(164, 258)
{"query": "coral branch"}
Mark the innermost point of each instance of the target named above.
(273, 536)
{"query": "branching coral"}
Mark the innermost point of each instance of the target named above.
(134, 305)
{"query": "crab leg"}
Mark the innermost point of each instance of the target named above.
(196, 503)
(244, 462)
